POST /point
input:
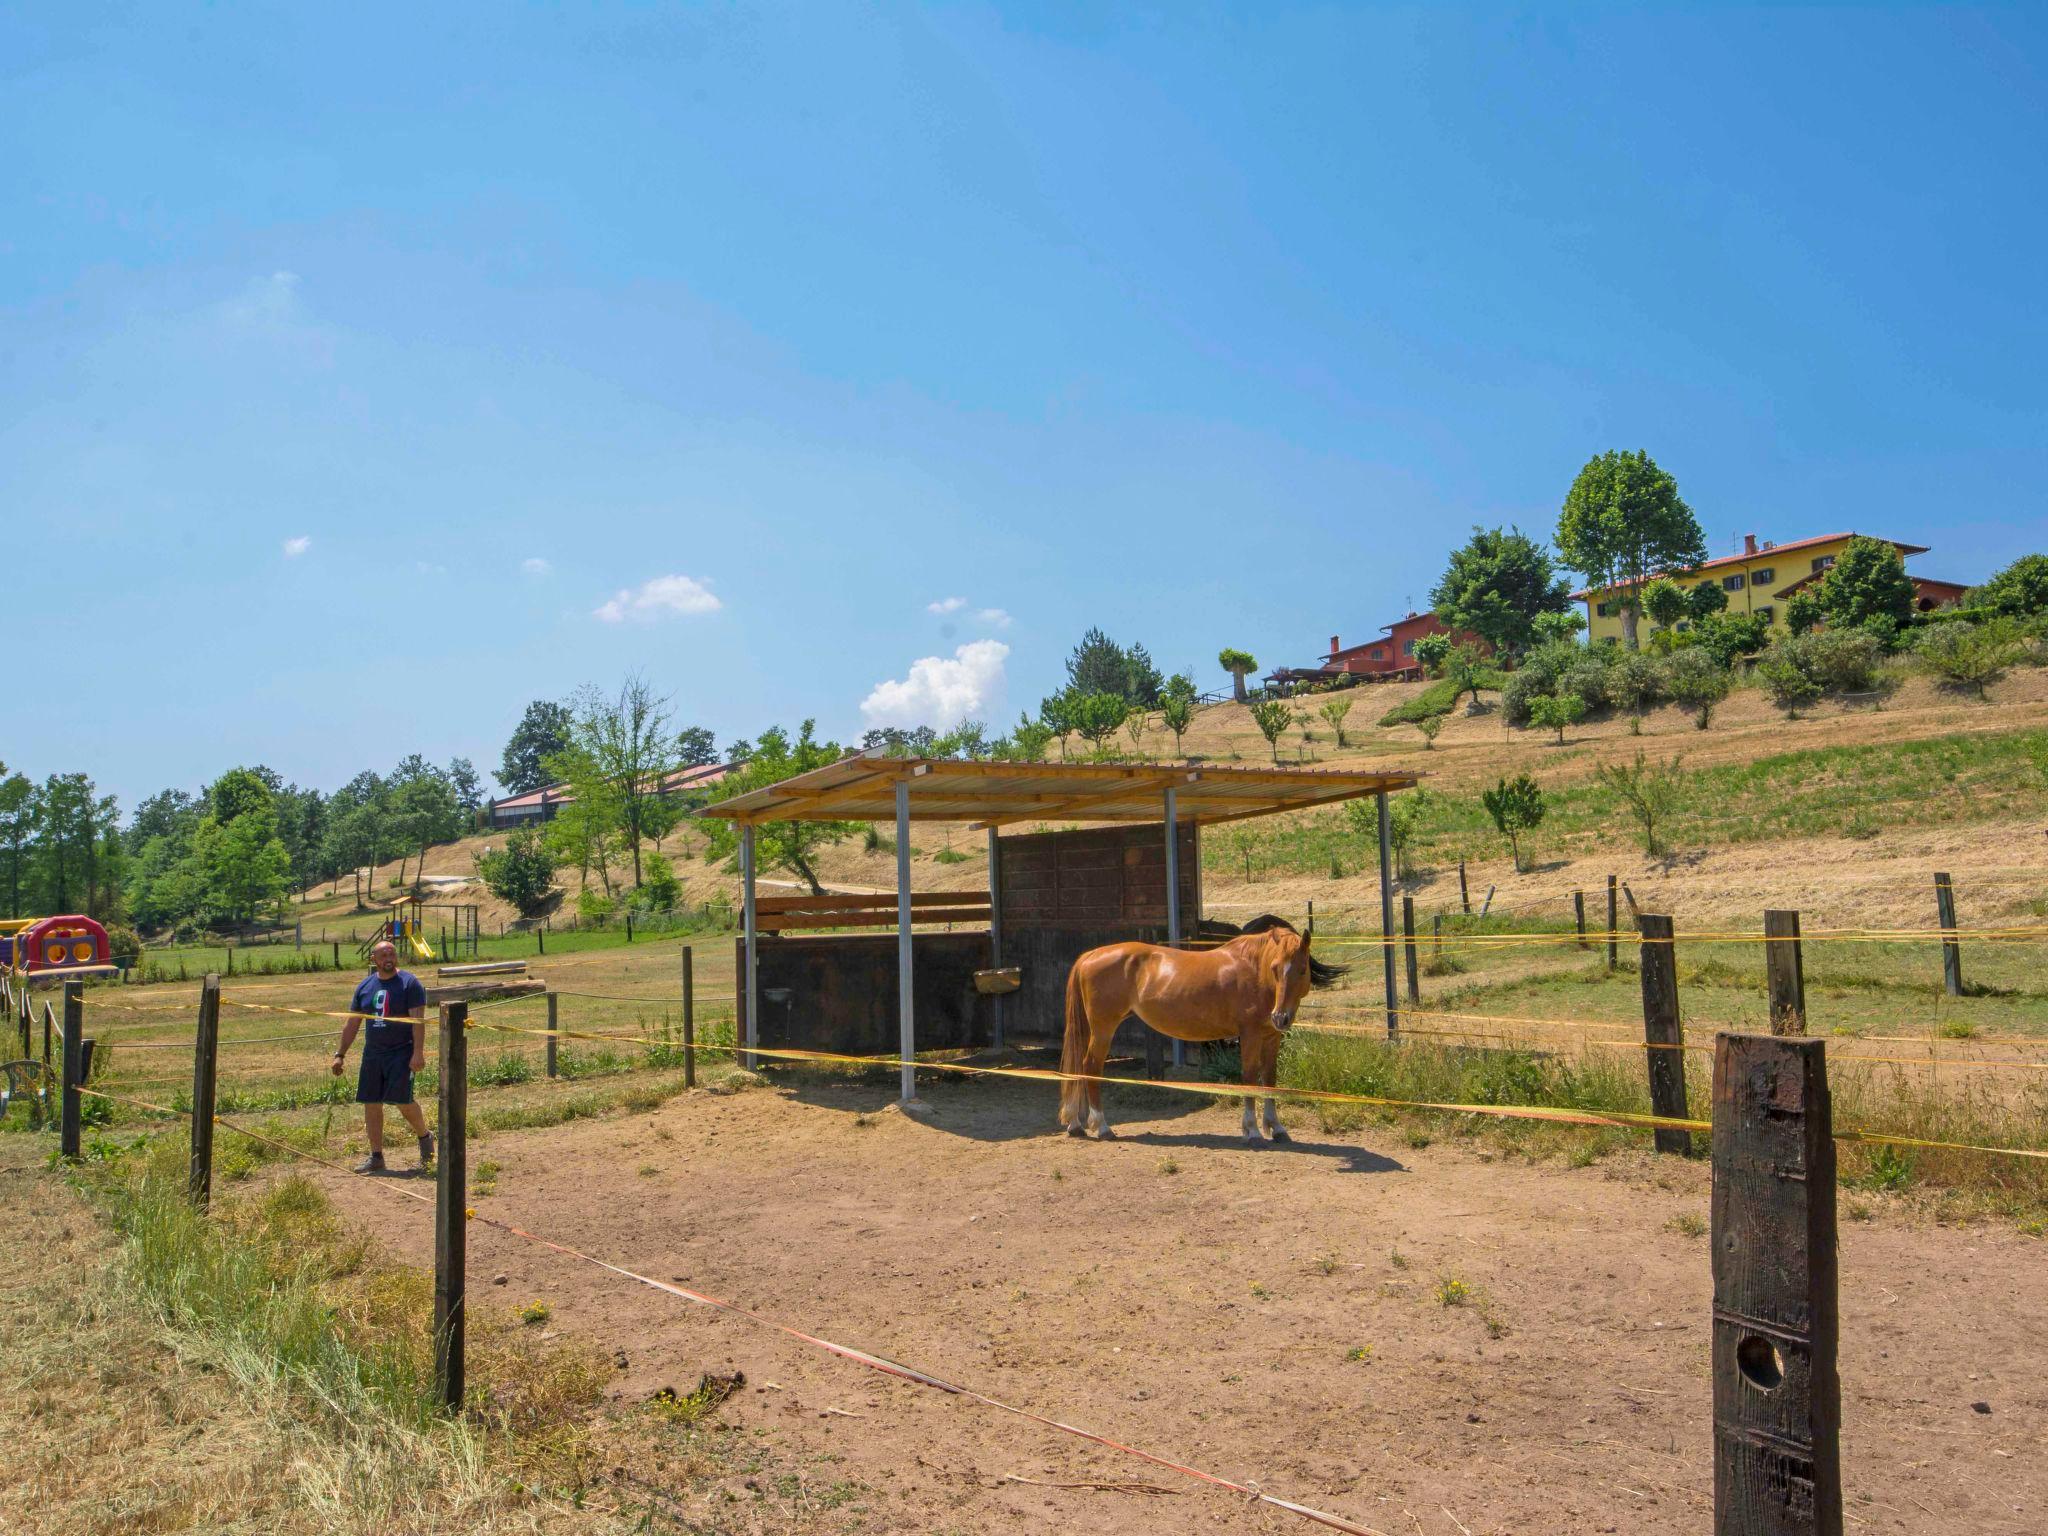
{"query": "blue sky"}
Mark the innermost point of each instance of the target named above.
(734, 344)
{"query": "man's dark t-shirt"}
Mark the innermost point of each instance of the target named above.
(388, 1000)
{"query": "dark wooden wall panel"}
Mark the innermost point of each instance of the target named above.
(842, 991)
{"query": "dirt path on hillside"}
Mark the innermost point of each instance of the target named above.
(1269, 1315)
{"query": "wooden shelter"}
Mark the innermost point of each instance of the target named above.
(1064, 891)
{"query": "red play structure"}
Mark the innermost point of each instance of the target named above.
(54, 947)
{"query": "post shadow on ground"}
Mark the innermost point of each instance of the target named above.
(998, 1109)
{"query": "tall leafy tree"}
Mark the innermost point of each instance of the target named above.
(542, 731)
(2019, 591)
(468, 786)
(696, 747)
(1496, 585)
(1237, 663)
(1623, 523)
(17, 833)
(790, 845)
(1867, 588)
(1099, 665)
(626, 738)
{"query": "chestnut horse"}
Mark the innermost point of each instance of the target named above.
(1246, 989)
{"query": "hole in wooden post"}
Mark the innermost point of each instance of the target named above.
(1761, 1366)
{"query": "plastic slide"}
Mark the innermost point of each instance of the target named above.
(421, 950)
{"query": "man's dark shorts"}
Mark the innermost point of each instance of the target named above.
(385, 1077)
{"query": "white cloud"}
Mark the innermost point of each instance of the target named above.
(533, 565)
(269, 300)
(994, 618)
(658, 597)
(940, 691)
(293, 548)
(946, 605)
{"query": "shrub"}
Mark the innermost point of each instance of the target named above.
(1431, 650)
(1516, 806)
(1522, 688)
(1695, 680)
(660, 890)
(594, 906)
(1586, 680)
(124, 944)
(521, 873)
(1784, 677)
(1650, 790)
(1634, 683)
(1725, 636)
(2017, 592)
(1965, 655)
(1555, 711)
(1842, 661)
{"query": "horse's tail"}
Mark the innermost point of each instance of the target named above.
(1074, 1052)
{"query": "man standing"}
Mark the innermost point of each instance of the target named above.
(394, 1047)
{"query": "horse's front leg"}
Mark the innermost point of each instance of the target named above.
(1094, 1064)
(1248, 1061)
(1274, 1128)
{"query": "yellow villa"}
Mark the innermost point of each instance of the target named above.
(1759, 580)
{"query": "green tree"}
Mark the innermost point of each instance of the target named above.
(522, 873)
(1272, 717)
(1177, 707)
(1965, 655)
(585, 831)
(17, 833)
(468, 788)
(1056, 710)
(1555, 711)
(1803, 612)
(1650, 790)
(245, 865)
(1098, 716)
(1635, 682)
(1664, 602)
(542, 732)
(1558, 628)
(2020, 591)
(626, 740)
(790, 845)
(1466, 669)
(1516, 806)
(1027, 742)
(1867, 588)
(1431, 726)
(234, 792)
(1099, 665)
(696, 747)
(1704, 599)
(1432, 650)
(1787, 684)
(1497, 584)
(1237, 663)
(1624, 522)
(1696, 681)
(1334, 710)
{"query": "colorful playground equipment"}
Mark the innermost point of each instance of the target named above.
(55, 948)
(402, 928)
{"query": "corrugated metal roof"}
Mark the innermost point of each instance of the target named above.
(863, 788)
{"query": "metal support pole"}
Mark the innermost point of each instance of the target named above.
(689, 1020)
(1180, 1047)
(1777, 1387)
(74, 1067)
(1387, 918)
(906, 1025)
(751, 938)
(451, 1218)
(995, 927)
(205, 1068)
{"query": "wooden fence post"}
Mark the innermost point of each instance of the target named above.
(1464, 890)
(1951, 950)
(1657, 963)
(689, 1020)
(1777, 1391)
(205, 1065)
(1408, 944)
(1785, 973)
(1436, 941)
(49, 1033)
(629, 927)
(1579, 916)
(540, 940)
(74, 1067)
(337, 954)
(553, 1039)
(1613, 933)
(451, 1189)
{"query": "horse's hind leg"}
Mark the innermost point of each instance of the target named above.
(1096, 1063)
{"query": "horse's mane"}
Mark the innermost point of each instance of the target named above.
(1320, 972)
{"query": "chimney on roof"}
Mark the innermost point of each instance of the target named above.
(1334, 646)
(1749, 543)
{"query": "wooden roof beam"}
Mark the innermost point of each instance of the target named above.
(1157, 784)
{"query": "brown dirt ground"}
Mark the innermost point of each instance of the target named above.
(1208, 1313)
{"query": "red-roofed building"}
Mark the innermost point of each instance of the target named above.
(1393, 655)
(544, 803)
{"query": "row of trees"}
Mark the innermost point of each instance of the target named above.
(60, 846)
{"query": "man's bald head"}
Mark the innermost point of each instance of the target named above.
(384, 956)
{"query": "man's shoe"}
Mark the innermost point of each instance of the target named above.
(427, 1148)
(374, 1165)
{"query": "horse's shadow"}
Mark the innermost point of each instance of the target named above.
(991, 1109)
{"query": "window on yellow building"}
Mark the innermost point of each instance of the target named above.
(1762, 578)
(1733, 583)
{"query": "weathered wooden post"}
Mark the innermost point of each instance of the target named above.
(1464, 890)
(1579, 916)
(1951, 949)
(205, 1070)
(1408, 944)
(1387, 912)
(1784, 973)
(49, 1032)
(1436, 942)
(689, 1020)
(74, 1067)
(1657, 963)
(337, 954)
(1777, 1392)
(451, 1188)
(1613, 932)
(540, 940)
(553, 1039)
